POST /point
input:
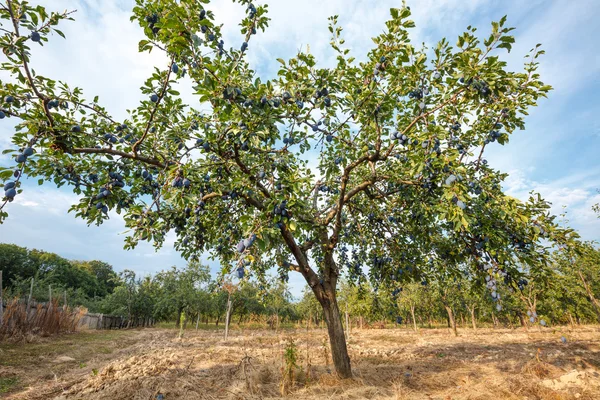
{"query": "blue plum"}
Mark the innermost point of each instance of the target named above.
(11, 193)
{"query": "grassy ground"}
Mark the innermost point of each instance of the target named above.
(48, 359)
(387, 363)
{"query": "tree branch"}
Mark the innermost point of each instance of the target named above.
(93, 150)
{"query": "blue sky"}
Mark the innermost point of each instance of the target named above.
(557, 155)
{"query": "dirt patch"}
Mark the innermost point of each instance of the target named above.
(387, 364)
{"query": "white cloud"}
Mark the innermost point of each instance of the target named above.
(574, 195)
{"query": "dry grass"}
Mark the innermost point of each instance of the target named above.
(43, 319)
(388, 364)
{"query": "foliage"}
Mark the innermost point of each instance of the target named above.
(83, 281)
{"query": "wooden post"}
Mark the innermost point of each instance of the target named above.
(65, 300)
(228, 316)
(1, 302)
(29, 299)
(347, 323)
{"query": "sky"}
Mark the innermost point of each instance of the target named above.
(558, 154)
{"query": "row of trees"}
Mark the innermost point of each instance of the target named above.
(190, 292)
(165, 296)
(565, 292)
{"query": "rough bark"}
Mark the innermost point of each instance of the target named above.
(452, 320)
(337, 339)
(473, 320)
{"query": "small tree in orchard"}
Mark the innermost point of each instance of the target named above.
(398, 136)
(410, 299)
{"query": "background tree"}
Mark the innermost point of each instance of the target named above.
(399, 137)
(16, 262)
(409, 299)
(179, 289)
(309, 308)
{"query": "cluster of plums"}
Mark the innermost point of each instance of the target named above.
(245, 244)
(10, 190)
(180, 182)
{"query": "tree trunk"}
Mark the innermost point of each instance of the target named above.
(494, 320)
(571, 320)
(197, 321)
(473, 320)
(521, 319)
(218, 319)
(451, 319)
(178, 321)
(590, 295)
(337, 339)
(414, 320)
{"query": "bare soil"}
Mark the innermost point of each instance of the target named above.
(387, 364)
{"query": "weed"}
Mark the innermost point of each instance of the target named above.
(6, 384)
(290, 358)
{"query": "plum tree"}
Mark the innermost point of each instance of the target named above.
(399, 139)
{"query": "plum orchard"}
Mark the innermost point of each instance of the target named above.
(399, 187)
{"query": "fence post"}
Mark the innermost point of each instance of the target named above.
(1, 302)
(29, 299)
